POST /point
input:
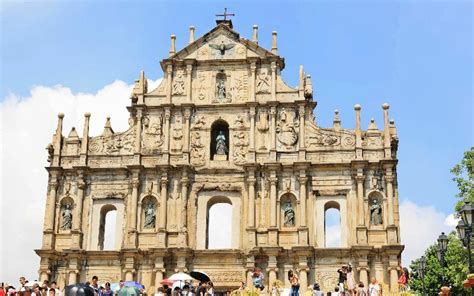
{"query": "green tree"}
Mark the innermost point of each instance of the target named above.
(455, 271)
(464, 177)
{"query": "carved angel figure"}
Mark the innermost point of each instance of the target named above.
(263, 82)
(67, 217)
(178, 84)
(222, 47)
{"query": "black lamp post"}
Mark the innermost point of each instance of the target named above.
(421, 271)
(442, 247)
(464, 229)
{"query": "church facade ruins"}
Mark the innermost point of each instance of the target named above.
(223, 127)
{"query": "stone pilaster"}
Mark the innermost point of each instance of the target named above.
(167, 130)
(303, 273)
(132, 212)
(49, 215)
(301, 140)
(273, 229)
(189, 75)
(253, 67)
(159, 270)
(251, 208)
(249, 266)
(183, 232)
(272, 269)
(169, 85)
(252, 134)
(273, 114)
(77, 215)
(187, 117)
(163, 209)
(303, 229)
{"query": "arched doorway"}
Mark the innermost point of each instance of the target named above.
(219, 224)
(107, 228)
(332, 225)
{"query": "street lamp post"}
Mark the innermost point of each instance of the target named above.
(464, 229)
(421, 271)
(442, 247)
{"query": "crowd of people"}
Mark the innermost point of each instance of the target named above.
(346, 287)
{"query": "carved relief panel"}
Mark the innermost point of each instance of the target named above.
(177, 133)
(115, 144)
(287, 130)
(152, 137)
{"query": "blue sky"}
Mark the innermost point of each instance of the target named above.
(415, 55)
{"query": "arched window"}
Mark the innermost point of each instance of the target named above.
(220, 140)
(332, 225)
(219, 224)
(108, 228)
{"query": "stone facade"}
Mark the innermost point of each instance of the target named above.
(223, 126)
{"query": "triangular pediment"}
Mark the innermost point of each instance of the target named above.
(222, 43)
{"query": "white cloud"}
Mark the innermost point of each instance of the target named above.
(420, 228)
(27, 125)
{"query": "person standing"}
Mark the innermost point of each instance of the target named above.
(317, 290)
(294, 282)
(342, 279)
(361, 290)
(374, 288)
(94, 285)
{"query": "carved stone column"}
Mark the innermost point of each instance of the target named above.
(189, 72)
(49, 215)
(303, 229)
(251, 208)
(273, 229)
(72, 279)
(138, 136)
(301, 140)
(361, 228)
(303, 276)
(163, 209)
(132, 212)
(159, 271)
(253, 67)
(169, 77)
(273, 90)
(167, 129)
(363, 269)
(250, 266)
(182, 236)
(252, 128)
(273, 128)
(77, 216)
(389, 181)
(272, 270)
(187, 116)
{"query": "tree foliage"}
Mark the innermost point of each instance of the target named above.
(455, 271)
(464, 177)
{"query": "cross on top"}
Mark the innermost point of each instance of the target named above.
(225, 14)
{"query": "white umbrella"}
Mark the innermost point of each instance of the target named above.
(180, 277)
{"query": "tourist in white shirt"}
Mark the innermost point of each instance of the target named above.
(374, 288)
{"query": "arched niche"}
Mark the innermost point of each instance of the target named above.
(288, 211)
(376, 209)
(149, 213)
(220, 141)
(65, 217)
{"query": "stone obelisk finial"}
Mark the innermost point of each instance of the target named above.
(255, 34)
(274, 43)
(386, 131)
(191, 34)
(173, 45)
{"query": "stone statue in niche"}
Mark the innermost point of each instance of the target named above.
(221, 146)
(150, 216)
(375, 212)
(289, 215)
(221, 94)
(66, 217)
